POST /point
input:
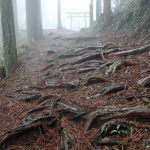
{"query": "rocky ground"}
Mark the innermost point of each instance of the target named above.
(77, 91)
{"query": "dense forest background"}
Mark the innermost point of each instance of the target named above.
(128, 15)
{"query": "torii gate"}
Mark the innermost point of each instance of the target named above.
(84, 15)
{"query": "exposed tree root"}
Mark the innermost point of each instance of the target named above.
(85, 70)
(137, 51)
(94, 80)
(117, 66)
(68, 86)
(114, 89)
(47, 67)
(115, 127)
(96, 56)
(29, 98)
(145, 82)
(104, 115)
(24, 129)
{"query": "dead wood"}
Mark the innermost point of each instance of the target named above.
(67, 140)
(78, 116)
(68, 86)
(111, 51)
(107, 64)
(67, 69)
(81, 38)
(88, 48)
(110, 46)
(108, 90)
(146, 71)
(114, 89)
(29, 92)
(75, 54)
(145, 82)
(41, 111)
(47, 67)
(51, 108)
(110, 128)
(85, 70)
(91, 63)
(51, 98)
(94, 80)
(29, 98)
(54, 111)
(104, 115)
(109, 142)
(96, 56)
(137, 51)
(24, 129)
(81, 51)
(67, 56)
(131, 97)
(117, 66)
(65, 109)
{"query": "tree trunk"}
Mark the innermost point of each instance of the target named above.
(117, 5)
(98, 9)
(107, 11)
(59, 25)
(34, 19)
(16, 19)
(9, 39)
(91, 13)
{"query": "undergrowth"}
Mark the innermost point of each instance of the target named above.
(135, 18)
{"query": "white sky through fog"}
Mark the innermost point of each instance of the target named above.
(49, 12)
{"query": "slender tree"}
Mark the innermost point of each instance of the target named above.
(59, 24)
(107, 11)
(91, 13)
(98, 9)
(16, 18)
(9, 39)
(34, 19)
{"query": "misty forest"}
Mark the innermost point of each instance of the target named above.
(74, 74)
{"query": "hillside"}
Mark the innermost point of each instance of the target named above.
(74, 92)
(134, 20)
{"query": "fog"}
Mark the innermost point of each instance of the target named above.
(49, 13)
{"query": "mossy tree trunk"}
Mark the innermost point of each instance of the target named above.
(34, 19)
(9, 39)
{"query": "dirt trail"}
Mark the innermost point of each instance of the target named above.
(62, 70)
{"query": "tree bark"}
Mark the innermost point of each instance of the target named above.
(98, 9)
(91, 13)
(59, 25)
(137, 51)
(9, 39)
(34, 19)
(107, 11)
(16, 19)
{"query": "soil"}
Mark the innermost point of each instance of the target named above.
(42, 65)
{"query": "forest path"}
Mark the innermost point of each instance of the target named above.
(72, 76)
(28, 73)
